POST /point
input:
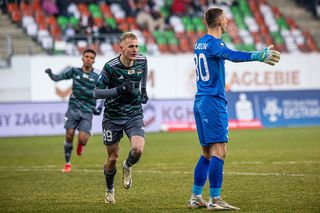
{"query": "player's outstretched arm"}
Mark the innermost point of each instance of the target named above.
(53, 76)
(267, 55)
(104, 93)
(123, 89)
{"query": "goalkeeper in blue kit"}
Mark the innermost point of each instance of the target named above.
(81, 105)
(210, 107)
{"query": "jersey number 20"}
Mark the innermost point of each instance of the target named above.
(201, 61)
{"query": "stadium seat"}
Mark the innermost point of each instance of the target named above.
(63, 22)
(26, 20)
(251, 24)
(32, 29)
(60, 47)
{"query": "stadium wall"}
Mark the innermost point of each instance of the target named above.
(170, 76)
(246, 110)
(283, 95)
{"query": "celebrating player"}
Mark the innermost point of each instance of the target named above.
(210, 110)
(119, 83)
(81, 104)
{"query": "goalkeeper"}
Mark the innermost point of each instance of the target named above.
(210, 106)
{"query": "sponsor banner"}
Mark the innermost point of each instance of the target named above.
(246, 110)
(276, 108)
(30, 119)
(173, 77)
(245, 124)
(178, 126)
(23, 119)
(168, 115)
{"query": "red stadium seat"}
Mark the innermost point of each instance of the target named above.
(187, 30)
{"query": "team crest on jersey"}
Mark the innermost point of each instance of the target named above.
(130, 72)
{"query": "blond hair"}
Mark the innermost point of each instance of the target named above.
(128, 35)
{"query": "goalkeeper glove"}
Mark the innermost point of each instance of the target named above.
(125, 88)
(144, 96)
(267, 56)
(97, 111)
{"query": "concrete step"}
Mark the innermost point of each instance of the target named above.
(11, 31)
(21, 42)
(5, 21)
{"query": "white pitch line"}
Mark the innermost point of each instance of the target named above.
(247, 162)
(296, 162)
(264, 174)
(53, 168)
(175, 164)
(229, 173)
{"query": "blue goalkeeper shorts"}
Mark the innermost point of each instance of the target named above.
(211, 118)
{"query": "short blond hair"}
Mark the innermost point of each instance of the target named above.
(128, 35)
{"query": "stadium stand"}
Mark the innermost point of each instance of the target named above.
(13, 39)
(163, 26)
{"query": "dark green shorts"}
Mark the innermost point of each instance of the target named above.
(78, 120)
(112, 132)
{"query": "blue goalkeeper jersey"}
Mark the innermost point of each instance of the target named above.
(210, 54)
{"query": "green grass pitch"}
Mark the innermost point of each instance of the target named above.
(267, 170)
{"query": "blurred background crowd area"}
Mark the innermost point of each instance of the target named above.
(163, 26)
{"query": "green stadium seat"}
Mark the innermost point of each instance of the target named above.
(186, 20)
(63, 22)
(111, 22)
(74, 21)
(143, 49)
(245, 16)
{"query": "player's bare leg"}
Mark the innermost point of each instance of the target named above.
(82, 141)
(137, 146)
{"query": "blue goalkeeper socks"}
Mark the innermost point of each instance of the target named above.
(200, 175)
(215, 176)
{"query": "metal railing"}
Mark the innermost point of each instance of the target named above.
(5, 60)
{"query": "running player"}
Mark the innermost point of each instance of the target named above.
(122, 83)
(81, 104)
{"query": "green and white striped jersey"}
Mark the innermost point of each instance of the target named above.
(114, 73)
(83, 85)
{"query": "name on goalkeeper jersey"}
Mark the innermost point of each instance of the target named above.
(201, 46)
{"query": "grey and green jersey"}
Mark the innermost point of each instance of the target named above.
(83, 85)
(114, 73)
